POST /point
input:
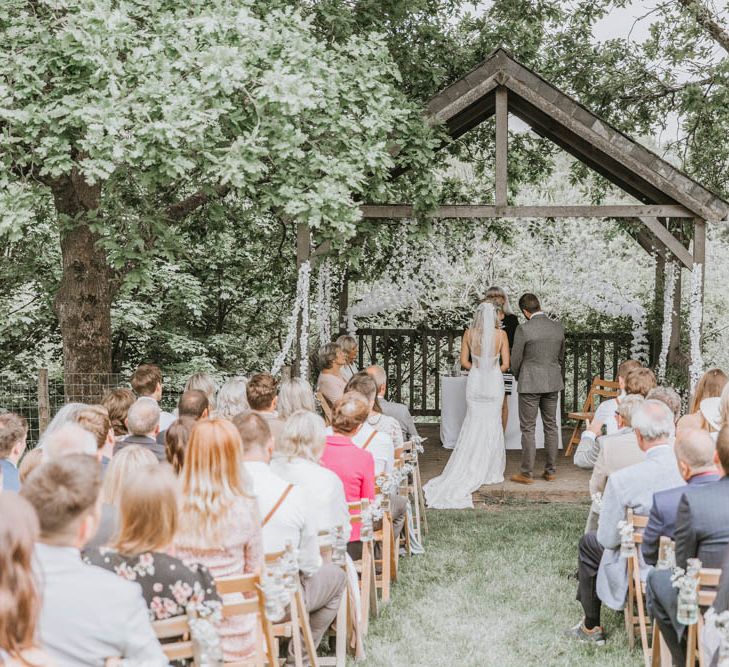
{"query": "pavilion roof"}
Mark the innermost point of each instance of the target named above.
(552, 113)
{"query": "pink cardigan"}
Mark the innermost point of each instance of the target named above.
(355, 467)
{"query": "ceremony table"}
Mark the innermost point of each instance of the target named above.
(453, 412)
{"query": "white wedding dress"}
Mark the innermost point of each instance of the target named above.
(479, 456)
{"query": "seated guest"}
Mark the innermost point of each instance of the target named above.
(176, 438)
(331, 382)
(124, 466)
(668, 396)
(261, 393)
(637, 381)
(602, 572)
(219, 523)
(193, 405)
(605, 412)
(294, 394)
(702, 531)
(377, 443)
(694, 451)
(232, 398)
(143, 425)
(205, 383)
(354, 466)
(19, 530)
(287, 517)
(30, 462)
(147, 382)
(67, 439)
(88, 615)
(710, 386)
(117, 403)
(95, 420)
(141, 551)
(13, 435)
(296, 460)
(620, 449)
(349, 344)
(398, 411)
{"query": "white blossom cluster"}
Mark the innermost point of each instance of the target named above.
(301, 305)
(669, 290)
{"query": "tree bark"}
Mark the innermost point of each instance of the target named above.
(706, 19)
(83, 301)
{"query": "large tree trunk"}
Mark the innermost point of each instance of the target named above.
(83, 302)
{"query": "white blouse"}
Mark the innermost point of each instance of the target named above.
(388, 425)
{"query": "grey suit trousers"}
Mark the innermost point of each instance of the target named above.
(529, 407)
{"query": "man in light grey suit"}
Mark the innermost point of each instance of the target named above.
(88, 615)
(536, 361)
(602, 572)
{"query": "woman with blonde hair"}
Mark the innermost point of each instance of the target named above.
(296, 460)
(20, 602)
(219, 522)
(205, 383)
(294, 394)
(232, 398)
(124, 465)
(149, 518)
(705, 404)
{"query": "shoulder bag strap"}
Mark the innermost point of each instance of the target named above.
(274, 509)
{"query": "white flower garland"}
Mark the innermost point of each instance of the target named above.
(669, 291)
(696, 313)
(301, 305)
(323, 304)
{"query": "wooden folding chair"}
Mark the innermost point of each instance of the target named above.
(341, 625)
(707, 585)
(299, 623)
(599, 388)
(178, 628)
(251, 601)
(410, 455)
(636, 620)
(326, 408)
(389, 550)
(660, 655)
(366, 569)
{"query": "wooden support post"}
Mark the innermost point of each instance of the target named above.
(343, 303)
(44, 401)
(660, 281)
(303, 253)
(502, 147)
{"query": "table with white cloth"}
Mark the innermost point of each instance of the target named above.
(453, 412)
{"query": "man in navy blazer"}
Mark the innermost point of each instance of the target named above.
(695, 455)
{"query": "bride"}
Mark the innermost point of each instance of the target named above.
(479, 456)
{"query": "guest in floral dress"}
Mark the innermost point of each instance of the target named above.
(142, 551)
(219, 523)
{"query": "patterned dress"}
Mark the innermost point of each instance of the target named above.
(240, 551)
(170, 586)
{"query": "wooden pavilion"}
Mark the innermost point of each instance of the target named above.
(671, 208)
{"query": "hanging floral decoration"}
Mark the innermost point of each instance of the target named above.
(669, 291)
(301, 306)
(323, 305)
(696, 314)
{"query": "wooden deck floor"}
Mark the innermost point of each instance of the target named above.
(570, 485)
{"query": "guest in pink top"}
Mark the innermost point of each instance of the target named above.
(354, 466)
(219, 523)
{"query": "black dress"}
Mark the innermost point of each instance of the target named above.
(510, 324)
(170, 586)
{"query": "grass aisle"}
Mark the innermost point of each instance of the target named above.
(496, 587)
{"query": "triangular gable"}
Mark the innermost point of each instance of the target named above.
(555, 115)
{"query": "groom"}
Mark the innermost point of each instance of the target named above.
(536, 361)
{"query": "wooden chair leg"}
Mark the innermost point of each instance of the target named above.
(386, 572)
(305, 627)
(395, 553)
(341, 637)
(296, 635)
(691, 646)
(421, 502)
(267, 631)
(573, 441)
(642, 619)
(629, 616)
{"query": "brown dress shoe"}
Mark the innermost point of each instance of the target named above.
(522, 479)
(549, 476)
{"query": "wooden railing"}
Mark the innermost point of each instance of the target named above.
(415, 358)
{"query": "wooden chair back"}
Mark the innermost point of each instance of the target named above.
(708, 582)
(636, 619)
(599, 388)
(326, 408)
(177, 627)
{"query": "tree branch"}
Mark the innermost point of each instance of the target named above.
(183, 208)
(707, 21)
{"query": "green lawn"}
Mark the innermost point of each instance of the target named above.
(496, 587)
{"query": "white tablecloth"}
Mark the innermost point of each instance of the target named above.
(453, 412)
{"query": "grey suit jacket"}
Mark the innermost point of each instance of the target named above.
(537, 355)
(143, 441)
(89, 614)
(702, 524)
(632, 487)
(400, 412)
